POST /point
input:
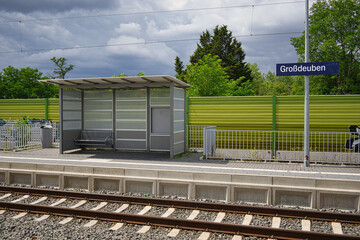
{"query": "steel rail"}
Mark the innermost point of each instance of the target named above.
(205, 206)
(249, 230)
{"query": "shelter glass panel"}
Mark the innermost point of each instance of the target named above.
(160, 97)
(138, 94)
(179, 93)
(178, 115)
(71, 109)
(71, 94)
(136, 115)
(131, 124)
(98, 115)
(71, 125)
(179, 120)
(178, 104)
(98, 94)
(96, 105)
(179, 126)
(71, 115)
(98, 125)
(72, 105)
(131, 119)
(98, 109)
(135, 104)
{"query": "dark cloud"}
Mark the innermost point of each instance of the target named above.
(28, 6)
(76, 39)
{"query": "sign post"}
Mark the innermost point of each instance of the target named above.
(307, 93)
(307, 69)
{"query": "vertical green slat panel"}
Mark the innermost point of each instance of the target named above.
(327, 113)
(334, 113)
(53, 109)
(244, 113)
(290, 113)
(18, 108)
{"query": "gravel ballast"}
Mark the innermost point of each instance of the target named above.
(27, 228)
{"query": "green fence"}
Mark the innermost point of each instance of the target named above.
(16, 109)
(282, 113)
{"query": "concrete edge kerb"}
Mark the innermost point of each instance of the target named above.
(274, 190)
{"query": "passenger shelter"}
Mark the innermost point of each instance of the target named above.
(142, 113)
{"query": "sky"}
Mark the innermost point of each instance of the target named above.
(109, 37)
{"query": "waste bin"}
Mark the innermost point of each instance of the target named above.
(46, 136)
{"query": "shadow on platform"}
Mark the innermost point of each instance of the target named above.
(114, 156)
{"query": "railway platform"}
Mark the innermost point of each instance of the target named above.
(318, 186)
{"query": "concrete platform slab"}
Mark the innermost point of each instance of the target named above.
(318, 186)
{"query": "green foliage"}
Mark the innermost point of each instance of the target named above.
(61, 68)
(140, 74)
(120, 75)
(227, 48)
(179, 69)
(25, 120)
(334, 36)
(269, 84)
(243, 88)
(208, 78)
(124, 75)
(22, 83)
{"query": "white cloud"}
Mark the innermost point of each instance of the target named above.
(132, 29)
(133, 46)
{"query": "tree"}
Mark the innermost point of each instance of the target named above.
(61, 68)
(227, 48)
(208, 78)
(22, 83)
(179, 69)
(269, 84)
(334, 34)
(273, 85)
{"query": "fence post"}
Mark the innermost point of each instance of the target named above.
(46, 108)
(273, 154)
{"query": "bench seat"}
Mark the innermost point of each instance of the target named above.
(94, 138)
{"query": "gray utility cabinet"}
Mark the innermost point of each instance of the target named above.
(143, 113)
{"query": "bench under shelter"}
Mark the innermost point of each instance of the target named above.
(142, 113)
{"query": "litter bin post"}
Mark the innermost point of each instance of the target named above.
(46, 136)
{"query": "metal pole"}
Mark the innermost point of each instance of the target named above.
(307, 89)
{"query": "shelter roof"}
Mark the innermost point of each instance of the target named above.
(118, 82)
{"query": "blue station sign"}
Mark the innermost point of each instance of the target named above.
(311, 68)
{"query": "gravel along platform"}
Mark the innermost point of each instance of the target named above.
(320, 226)
(206, 216)
(263, 221)
(351, 229)
(233, 218)
(290, 223)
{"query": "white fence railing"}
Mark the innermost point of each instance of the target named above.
(14, 137)
(325, 147)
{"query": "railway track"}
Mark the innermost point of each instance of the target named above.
(177, 224)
